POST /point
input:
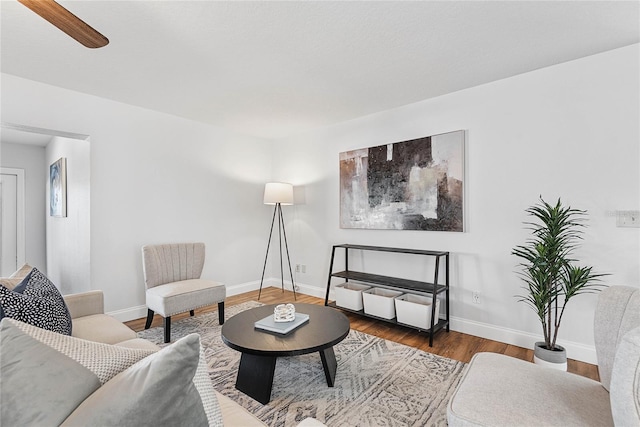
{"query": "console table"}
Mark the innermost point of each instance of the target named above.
(396, 283)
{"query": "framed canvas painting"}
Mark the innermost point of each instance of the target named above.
(410, 185)
(58, 188)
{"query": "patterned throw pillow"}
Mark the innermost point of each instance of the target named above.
(38, 302)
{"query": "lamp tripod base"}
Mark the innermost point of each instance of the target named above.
(277, 211)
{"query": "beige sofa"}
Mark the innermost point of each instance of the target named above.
(91, 323)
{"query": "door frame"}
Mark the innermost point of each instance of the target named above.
(21, 252)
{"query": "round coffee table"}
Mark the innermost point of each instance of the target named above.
(260, 349)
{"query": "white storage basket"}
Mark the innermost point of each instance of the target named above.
(349, 295)
(415, 310)
(380, 302)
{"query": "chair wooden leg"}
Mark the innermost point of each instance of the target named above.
(192, 313)
(221, 312)
(149, 318)
(167, 329)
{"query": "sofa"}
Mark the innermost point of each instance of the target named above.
(498, 390)
(91, 323)
(87, 378)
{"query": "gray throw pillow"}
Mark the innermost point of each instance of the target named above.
(46, 375)
(157, 390)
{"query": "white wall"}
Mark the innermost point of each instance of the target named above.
(68, 238)
(31, 159)
(156, 178)
(568, 131)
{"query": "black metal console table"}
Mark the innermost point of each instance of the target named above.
(396, 283)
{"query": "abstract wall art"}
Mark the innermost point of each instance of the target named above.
(409, 185)
(58, 188)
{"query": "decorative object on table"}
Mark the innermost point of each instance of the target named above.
(278, 194)
(284, 313)
(550, 275)
(271, 325)
(58, 188)
(409, 185)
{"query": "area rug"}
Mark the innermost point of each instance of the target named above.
(378, 382)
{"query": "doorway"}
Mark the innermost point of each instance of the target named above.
(12, 220)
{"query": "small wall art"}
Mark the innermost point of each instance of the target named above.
(410, 185)
(58, 188)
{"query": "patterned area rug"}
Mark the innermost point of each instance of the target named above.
(378, 382)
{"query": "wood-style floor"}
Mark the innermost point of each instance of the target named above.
(454, 345)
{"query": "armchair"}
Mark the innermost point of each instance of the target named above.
(172, 278)
(498, 390)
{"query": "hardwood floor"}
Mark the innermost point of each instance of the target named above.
(454, 345)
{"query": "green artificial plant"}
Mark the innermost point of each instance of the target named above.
(550, 275)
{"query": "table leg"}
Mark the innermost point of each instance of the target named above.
(255, 376)
(329, 364)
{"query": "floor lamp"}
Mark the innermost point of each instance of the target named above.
(278, 194)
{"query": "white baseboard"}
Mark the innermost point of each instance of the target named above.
(131, 313)
(577, 351)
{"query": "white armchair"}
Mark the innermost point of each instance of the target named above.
(498, 390)
(172, 277)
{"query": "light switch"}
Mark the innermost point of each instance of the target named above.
(628, 219)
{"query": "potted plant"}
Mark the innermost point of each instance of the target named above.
(550, 275)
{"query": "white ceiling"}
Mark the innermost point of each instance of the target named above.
(273, 69)
(15, 136)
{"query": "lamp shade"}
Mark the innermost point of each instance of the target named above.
(278, 192)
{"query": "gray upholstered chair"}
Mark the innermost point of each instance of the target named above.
(498, 390)
(172, 277)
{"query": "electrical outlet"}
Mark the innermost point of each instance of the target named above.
(628, 219)
(475, 297)
(297, 268)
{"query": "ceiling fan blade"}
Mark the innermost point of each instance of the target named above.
(67, 22)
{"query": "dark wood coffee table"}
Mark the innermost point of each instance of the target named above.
(260, 349)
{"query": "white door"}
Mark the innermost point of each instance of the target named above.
(12, 247)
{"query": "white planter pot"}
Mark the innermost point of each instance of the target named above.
(555, 359)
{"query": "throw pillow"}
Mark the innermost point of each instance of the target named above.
(48, 378)
(46, 375)
(165, 392)
(38, 302)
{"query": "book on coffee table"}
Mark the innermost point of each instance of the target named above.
(268, 324)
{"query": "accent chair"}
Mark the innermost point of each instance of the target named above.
(172, 278)
(499, 390)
